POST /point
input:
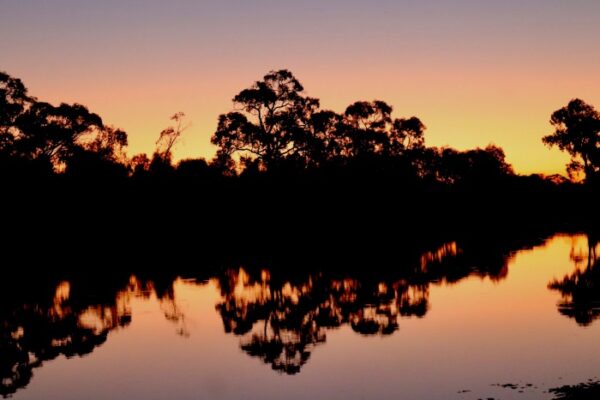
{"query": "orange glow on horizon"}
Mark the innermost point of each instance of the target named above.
(458, 113)
(474, 73)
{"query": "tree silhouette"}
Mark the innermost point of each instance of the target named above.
(324, 142)
(277, 125)
(50, 326)
(282, 314)
(581, 290)
(194, 169)
(368, 129)
(169, 136)
(64, 137)
(139, 164)
(13, 101)
(52, 133)
(406, 134)
(37, 137)
(276, 140)
(479, 167)
(366, 126)
(161, 164)
(270, 125)
(47, 318)
(577, 131)
(102, 154)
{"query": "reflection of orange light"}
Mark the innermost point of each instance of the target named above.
(437, 256)
(581, 251)
(260, 292)
(265, 275)
(382, 288)
(291, 292)
(61, 295)
(95, 318)
(101, 318)
(348, 288)
(245, 293)
(18, 333)
(63, 291)
(415, 294)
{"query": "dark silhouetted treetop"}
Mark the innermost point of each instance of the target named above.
(407, 134)
(368, 129)
(323, 142)
(140, 163)
(50, 132)
(13, 101)
(197, 170)
(170, 136)
(40, 133)
(470, 167)
(100, 153)
(161, 164)
(577, 131)
(277, 131)
(271, 122)
(375, 115)
(366, 125)
(275, 122)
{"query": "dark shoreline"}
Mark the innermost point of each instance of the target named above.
(168, 221)
(589, 390)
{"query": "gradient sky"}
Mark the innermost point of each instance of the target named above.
(475, 71)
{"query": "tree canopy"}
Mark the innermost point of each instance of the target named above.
(275, 122)
(270, 123)
(274, 128)
(66, 137)
(577, 131)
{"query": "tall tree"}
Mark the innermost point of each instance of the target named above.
(169, 136)
(406, 134)
(109, 143)
(13, 102)
(366, 126)
(325, 141)
(34, 132)
(577, 131)
(270, 124)
(470, 167)
(53, 133)
(100, 153)
(369, 129)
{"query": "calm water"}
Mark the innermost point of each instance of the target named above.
(453, 323)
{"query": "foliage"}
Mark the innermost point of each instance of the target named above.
(577, 131)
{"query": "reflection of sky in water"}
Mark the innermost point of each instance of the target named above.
(329, 338)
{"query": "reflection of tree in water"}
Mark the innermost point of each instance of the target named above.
(281, 316)
(282, 321)
(40, 321)
(580, 290)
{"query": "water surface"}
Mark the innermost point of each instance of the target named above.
(458, 321)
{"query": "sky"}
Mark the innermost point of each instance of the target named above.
(475, 72)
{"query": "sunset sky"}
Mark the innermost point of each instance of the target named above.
(475, 71)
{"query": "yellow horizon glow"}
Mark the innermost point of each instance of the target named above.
(462, 109)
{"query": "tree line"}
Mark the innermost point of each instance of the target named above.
(274, 130)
